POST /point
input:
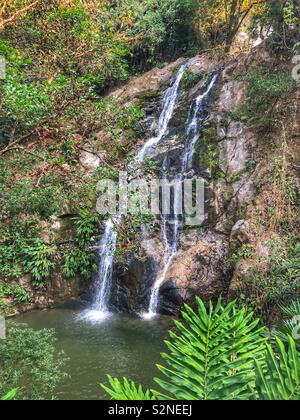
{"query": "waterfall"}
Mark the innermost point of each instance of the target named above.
(106, 253)
(170, 224)
(195, 121)
(169, 104)
(171, 245)
(169, 254)
(108, 243)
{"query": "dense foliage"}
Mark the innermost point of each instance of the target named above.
(62, 58)
(277, 284)
(29, 363)
(219, 354)
(281, 20)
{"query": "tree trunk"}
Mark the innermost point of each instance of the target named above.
(231, 31)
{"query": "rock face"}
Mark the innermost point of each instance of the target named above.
(198, 269)
(145, 84)
(58, 291)
(231, 95)
(225, 158)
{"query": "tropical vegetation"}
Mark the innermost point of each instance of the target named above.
(220, 353)
(30, 366)
(62, 65)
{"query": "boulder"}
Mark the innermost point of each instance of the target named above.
(231, 96)
(199, 268)
(89, 160)
(242, 232)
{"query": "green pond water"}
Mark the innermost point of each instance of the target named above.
(120, 346)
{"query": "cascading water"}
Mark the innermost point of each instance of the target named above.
(171, 242)
(107, 249)
(171, 225)
(194, 123)
(106, 253)
(169, 104)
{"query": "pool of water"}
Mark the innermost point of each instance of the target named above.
(119, 346)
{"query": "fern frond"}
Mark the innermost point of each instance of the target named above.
(290, 326)
(10, 395)
(126, 390)
(278, 378)
(292, 310)
(213, 355)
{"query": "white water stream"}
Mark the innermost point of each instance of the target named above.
(171, 242)
(169, 105)
(107, 249)
(171, 225)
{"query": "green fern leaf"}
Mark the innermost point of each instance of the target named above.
(126, 390)
(213, 356)
(278, 378)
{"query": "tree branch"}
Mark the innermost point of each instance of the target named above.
(17, 14)
(11, 149)
(14, 143)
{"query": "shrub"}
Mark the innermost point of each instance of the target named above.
(15, 291)
(24, 197)
(265, 90)
(190, 79)
(22, 251)
(275, 285)
(37, 261)
(27, 103)
(86, 227)
(29, 362)
(245, 251)
(78, 261)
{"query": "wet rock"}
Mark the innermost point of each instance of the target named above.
(172, 298)
(199, 268)
(171, 149)
(132, 287)
(145, 84)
